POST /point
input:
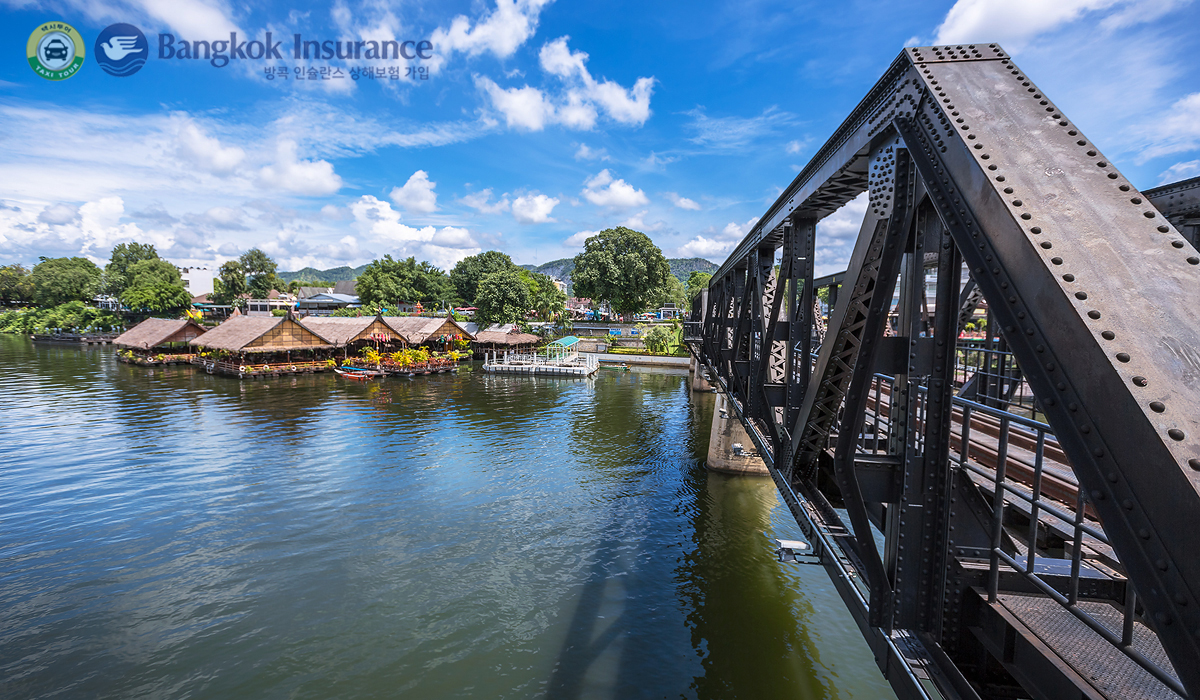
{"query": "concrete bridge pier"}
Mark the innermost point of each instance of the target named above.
(698, 376)
(730, 449)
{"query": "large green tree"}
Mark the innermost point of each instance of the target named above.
(16, 285)
(697, 281)
(230, 284)
(545, 298)
(155, 286)
(502, 297)
(387, 282)
(469, 271)
(260, 271)
(672, 292)
(59, 280)
(124, 256)
(620, 266)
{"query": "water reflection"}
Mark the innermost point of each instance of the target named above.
(178, 534)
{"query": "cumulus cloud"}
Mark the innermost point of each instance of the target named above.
(58, 214)
(682, 202)
(205, 152)
(716, 244)
(417, 194)
(582, 100)
(603, 191)
(443, 247)
(306, 177)
(533, 208)
(837, 234)
(577, 240)
(500, 33)
(481, 202)
(1176, 132)
(1011, 22)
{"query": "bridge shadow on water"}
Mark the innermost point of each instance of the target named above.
(705, 611)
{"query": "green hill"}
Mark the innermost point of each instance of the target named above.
(334, 274)
(680, 267)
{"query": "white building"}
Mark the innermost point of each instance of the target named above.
(197, 280)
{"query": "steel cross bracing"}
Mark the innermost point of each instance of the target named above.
(1088, 506)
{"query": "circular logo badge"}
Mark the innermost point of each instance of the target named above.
(55, 51)
(121, 49)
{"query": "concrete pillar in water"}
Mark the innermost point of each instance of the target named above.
(697, 376)
(730, 449)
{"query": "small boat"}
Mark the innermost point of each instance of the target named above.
(357, 373)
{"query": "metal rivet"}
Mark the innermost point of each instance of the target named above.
(1163, 229)
(1136, 200)
(1108, 335)
(1093, 314)
(1123, 356)
(1056, 261)
(1158, 406)
(1027, 216)
(1140, 381)
(1081, 295)
(1194, 260)
(1194, 463)
(1036, 229)
(1176, 434)
(1047, 245)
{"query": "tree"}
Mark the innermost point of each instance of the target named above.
(157, 271)
(697, 281)
(672, 292)
(157, 297)
(544, 296)
(384, 282)
(124, 256)
(230, 284)
(16, 285)
(469, 271)
(621, 266)
(59, 280)
(657, 338)
(502, 297)
(260, 270)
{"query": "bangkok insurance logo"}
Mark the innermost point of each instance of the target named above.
(121, 49)
(55, 51)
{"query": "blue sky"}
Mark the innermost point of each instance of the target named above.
(539, 123)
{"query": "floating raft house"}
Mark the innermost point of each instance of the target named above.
(263, 347)
(159, 336)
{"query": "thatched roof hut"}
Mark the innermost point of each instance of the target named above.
(342, 331)
(417, 330)
(154, 332)
(258, 334)
(502, 339)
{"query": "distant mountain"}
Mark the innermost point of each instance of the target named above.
(684, 267)
(311, 274)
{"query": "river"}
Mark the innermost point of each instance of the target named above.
(169, 534)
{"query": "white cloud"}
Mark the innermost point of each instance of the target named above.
(306, 177)
(533, 209)
(656, 162)
(603, 191)
(1180, 171)
(199, 149)
(682, 202)
(577, 240)
(1011, 22)
(480, 201)
(585, 153)
(581, 102)
(637, 222)
(1176, 132)
(716, 244)
(58, 214)
(443, 247)
(735, 133)
(417, 194)
(837, 234)
(797, 145)
(500, 33)
(523, 108)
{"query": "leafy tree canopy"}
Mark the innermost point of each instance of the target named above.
(469, 272)
(60, 280)
(260, 270)
(124, 256)
(621, 266)
(503, 297)
(230, 284)
(545, 298)
(386, 282)
(697, 281)
(672, 292)
(16, 285)
(156, 271)
(157, 298)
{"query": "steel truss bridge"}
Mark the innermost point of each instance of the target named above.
(986, 547)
